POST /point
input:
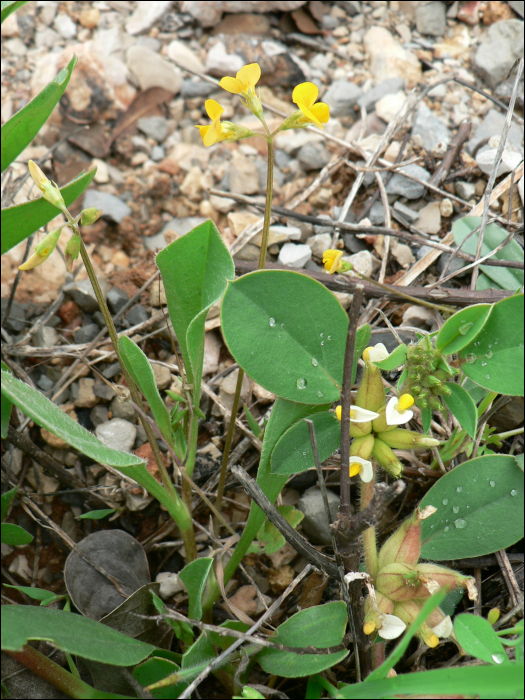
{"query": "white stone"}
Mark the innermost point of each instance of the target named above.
(418, 316)
(388, 59)
(181, 53)
(222, 204)
(389, 105)
(429, 218)
(169, 584)
(65, 26)
(262, 394)
(362, 262)
(151, 70)
(212, 350)
(220, 63)
(145, 15)
(510, 160)
(293, 255)
(319, 243)
(403, 254)
(102, 174)
(117, 433)
(344, 299)
(162, 376)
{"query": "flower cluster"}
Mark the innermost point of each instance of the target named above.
(304, 96)
(403, 585)
(426, 375)
(374, 423)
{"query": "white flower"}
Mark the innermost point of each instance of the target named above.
(444, 628)
(362, 467)
(391, 627)
(378, 353)
(397, 410)
(357, 414)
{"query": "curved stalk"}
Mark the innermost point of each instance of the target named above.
(369, 536)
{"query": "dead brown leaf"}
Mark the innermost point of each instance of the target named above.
(144, 104)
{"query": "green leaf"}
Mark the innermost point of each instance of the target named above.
(463, 407)
(10, 6)
(293, 452)
(462, 328)
(139, 367)
(226, 642)
(288, 332)
(269, 536)
(254, 426)
(194, 577)
(156, 669)
(97, 514)
(495, 359)
(321, 626)
(478, 638)
(7, 499)
(200, 652)
(5, 409)
(49, 416)
(504, 277)
(21, 220)
(394, 360)
(520, 461)
(477, 392)
(426, 419)
(195, 269)
(479, 505)
(471, 681)
(71, 633)
(34, 593)
(22, 128)
(15, 535)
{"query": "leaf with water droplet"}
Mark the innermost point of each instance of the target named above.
(478, 638)
(301, 383)
(462, 328)
(272, 322)
(460, 523)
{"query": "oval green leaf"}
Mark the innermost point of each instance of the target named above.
(194, 577)
(293, 452)
(321, 626)
(288, 332)
(462, 405)
(478, 638)
(495, 359)
(15, 535)
(49, 416)
(462, 328)
(479, 509)
(394, 360)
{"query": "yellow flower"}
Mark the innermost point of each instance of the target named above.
(332, 260)
(42, 251)
(357, 414)
(49, 190)
(304, 96)
(244, 85)
(220, 131)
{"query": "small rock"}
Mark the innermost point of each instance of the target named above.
(387, 87)
(465, 190)
(227, 389)
(388, 59)
(344, 299)
(53, 440)
(83, 295)
(86, 397)
(212, 350)
(196, 88)
(431, 18)
(377, 214)
(151, 70)
(491, 126)
(455, 266)
(116, 299)
(243, 176)
(86, 333)
(403, 254)
(389, 105)
(262, 394)
(319, 243)
(341, 97)
(362, 262)
(496, 54)
(99, 415)
(89, 18)
(16, 319)
(157, 154)
(404, 187)
(294, 255)
(248, 252)
(162, 376)
(245, 599)
(181, 53)
(431, 128)
(239, 220)
(117, 433)
(112, 207)
(222, 204)
(446, 208)
(313, 156)
(409, 215)
(509, 416)
(45, 383)
(279, 579)
(65, 26)
(145, 15)
(123, 409)
(353, 244)
(429, 218)
(279, 234)
(103, 391)
(20, 567)
(510, 160)
(154, 127)
(418, 316)
(137, 501)
(169, 584)
(315, 521)
(138, 314)
(220, 63)
(45, 337)
(69, 526)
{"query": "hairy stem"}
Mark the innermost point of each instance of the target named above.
(369, 536)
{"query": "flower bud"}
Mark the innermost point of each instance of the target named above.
(373, 615)
(386, 459)
(401, 439)
(362, 447)
(358, 430)
(433, 577)
(493, 616)
(430, 381)
(371, 392)
(90, 215)
(404, 546)
(398, 582)
(379, 424)
(434, 403)
(49, 190)
(435, 626)
(72, 251)
(42, 251)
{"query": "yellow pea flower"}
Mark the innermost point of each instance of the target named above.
(220, 131)
(397, 410)
(304, 96)
(332, 260)
(244, 85)
(42, 251)
(49, 190)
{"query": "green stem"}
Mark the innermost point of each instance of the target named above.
(369, 536)
(262, 262)
(508, 434)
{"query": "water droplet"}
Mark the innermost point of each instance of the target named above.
(464, 329)
(490, 345)
(476, 344)
(321, 335)
(489, 354)
(279, 336)
(329, 337)
(513, 492)
(492, 483)
(304, 453)
(496, 341)
(314, 362)
(470, 358)
(322, 342)
(320, 394)
(444, 501)
(272, 322)
(446, 529)
(460, 523)
(487, 376)
(498, 658)
(282, 325)
(431, 527)
(301, 383)
(455, 509)
(459, 489)
(483, 364)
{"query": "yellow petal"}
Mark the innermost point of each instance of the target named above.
(339, 412)
(214, 134)
(321, 111)
(249, 75)
(311, 117)
(330, 255)
(36, 174)
(231, 85)
(203, 130)
(305, 94)
(34, 261)
(406, 401)
(369, 627)
(213, 109)
(355, 468)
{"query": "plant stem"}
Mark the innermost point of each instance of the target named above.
(369, 536)
(509, 433)
(238, 388)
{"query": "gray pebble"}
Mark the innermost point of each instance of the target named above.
(423, 250)
(315, 521)
(341, 97)
(103, 391)
(45, 337)
(319, 228)
(154, 127)
(99, 415)
(113, 208)
(141, 436)
(157, 153)
(87, 333)
(122, 409)
(138, 314)
(387, 87)
(116, 299)
(198, 88)
(431, 18)
(431, 128)
(377, 214)
(354, 244)
(313, 156)
(465, 190)
(82, 294)
(281, 158)
(16, 319)
(45, 383)
(456, 265)
(408, 188)
(493, 125)
(498, 51)
(409, 215)
(112, 370)
(117, 433)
